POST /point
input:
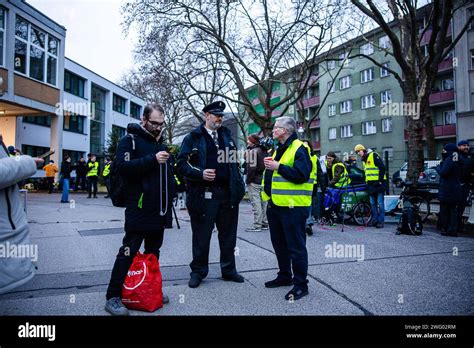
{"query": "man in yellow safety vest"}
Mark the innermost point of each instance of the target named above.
(288, 187)
(375, 176)
(106, 174)
(92, 176)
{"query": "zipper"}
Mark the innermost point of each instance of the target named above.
(9, 207)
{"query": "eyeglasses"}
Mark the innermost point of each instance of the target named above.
(156, 124)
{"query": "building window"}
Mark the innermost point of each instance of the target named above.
(332, 110)
(447, 84)
(345, 82)
(331, 64)
(449, 117)
(470, 14)
(472, 59)
(74, 84)
(36, 52)
(346, 131)
(385, 97)
(386, 125)
(389, 151)
(35, 151)
(74, 123)
(120, 131)
(384, 42)
(44, 121)
(384, 72)
(2, 37)
(367, 75)
(332, 133)
(367, 49)
(332, 86)
(367, 101)
(345, 106)
(344, 59)
(135, 110)
(369, 128)
(119, 104)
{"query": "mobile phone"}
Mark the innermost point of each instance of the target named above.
(46, 154)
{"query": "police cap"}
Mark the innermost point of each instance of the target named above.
(216, 108)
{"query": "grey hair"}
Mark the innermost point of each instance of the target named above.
(287, 122)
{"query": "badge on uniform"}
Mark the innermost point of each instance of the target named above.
(208, 195)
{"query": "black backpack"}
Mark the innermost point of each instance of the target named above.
(118, 182)
(410, 222)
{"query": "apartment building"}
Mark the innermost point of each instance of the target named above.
(49, 101)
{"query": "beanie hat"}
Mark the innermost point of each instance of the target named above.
(463, 142)
(450, 147)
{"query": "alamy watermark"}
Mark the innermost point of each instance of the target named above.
(8, 250)
(86, 109)
(343, 251)
(401, 109)
(237, 156)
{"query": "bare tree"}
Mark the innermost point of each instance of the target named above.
(400, 20)
(252, 43)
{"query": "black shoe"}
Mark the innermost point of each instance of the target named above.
(295, 294)
(309, 230)
(277, 282)
(379, 225)
(234, 278)
(64, 201)
(194, 282)
(95, 197)
(106, 196)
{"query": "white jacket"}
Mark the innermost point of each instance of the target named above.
(14, 271)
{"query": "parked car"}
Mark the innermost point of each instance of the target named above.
(428, 164)
(429, 179)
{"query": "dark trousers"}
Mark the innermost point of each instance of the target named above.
(80, 181)
(287, 232)
(92, 185)
(448, 214)
(465, 193)
(219, 213)
(50, 181)
(131, 245)
(107, 184)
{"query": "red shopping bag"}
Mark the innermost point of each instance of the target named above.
(142, 288)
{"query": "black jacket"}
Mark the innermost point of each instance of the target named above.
(298, 174)
(66, 169)
(81, 168)
(192, 162)
(450, 173)
(146, 180)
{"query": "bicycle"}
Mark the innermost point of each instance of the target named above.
(417, 197)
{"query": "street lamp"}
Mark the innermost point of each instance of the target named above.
(300, 131)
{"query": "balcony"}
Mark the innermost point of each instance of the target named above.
(443, 131)
(446, 65)
(306, 103)
(427, 36)
(442, 97)
(314, 124)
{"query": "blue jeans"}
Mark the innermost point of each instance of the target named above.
(377, 207)
(65, 196)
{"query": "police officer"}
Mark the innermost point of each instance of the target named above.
(375, 175)
(215, 189)
(288, 188)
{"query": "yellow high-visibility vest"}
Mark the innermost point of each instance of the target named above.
(94, 171)
(344, 179)
(284, 192)
(106, 171)
(371, 170)
(314, 172)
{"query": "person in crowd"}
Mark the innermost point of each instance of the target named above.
(92, 176)
(50, 172)
(14, 271)
(255, 167)
(467, 167)
(214, 190)
(149, 187)
(66, 177)
(81, 174)
(375, 176)
(288, 186)
(106, 175)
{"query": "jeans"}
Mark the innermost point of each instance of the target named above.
(131, 245)
(288, 236)
(65, 196)
(377, 207)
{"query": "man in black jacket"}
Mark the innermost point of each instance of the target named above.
(214, 191)
(467, 176)
(142, 159)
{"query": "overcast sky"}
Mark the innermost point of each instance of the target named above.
(94, 36)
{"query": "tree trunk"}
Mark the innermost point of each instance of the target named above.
(430, 140)
(415, 139)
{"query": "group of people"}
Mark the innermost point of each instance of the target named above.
(87, 175)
